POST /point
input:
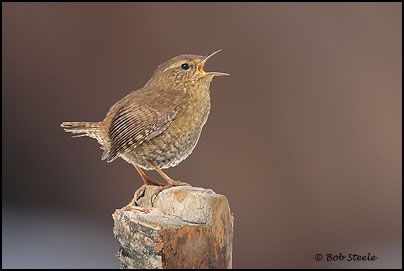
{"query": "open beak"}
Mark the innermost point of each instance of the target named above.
(200, 66)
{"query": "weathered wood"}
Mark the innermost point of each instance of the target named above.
(187, 227)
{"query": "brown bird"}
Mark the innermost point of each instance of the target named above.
(157, 126)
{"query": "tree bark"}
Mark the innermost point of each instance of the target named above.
(187, 227)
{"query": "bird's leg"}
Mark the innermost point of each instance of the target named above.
(147, 181)
(170, 181)
(165, 176)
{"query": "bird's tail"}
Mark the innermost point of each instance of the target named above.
(90, 129)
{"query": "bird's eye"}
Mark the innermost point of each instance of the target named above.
(185, 66)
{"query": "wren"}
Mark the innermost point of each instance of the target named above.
(158, 125)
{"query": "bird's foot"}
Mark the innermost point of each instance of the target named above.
(138, 194)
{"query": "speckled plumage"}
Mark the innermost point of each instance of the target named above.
(159, 123)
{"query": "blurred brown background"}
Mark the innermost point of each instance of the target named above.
(304, 137)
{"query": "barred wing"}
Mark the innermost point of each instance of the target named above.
(135, 123)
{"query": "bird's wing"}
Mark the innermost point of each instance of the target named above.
(134, 123)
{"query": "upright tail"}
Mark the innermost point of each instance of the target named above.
(90, 129)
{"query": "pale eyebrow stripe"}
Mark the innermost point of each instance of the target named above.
(189, 61)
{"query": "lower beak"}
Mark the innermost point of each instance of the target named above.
(200, 66)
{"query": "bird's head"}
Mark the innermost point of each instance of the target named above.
(184, 70)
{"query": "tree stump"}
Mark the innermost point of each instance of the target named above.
(187, 227)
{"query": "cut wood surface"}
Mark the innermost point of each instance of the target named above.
(187, 227)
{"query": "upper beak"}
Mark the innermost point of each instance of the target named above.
(200, 66)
